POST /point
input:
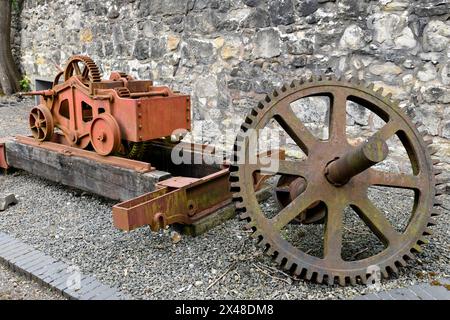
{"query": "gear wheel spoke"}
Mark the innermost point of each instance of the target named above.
(338, 115)
(387, 131)
(292, 210)
(333, 232)
(295, 129)
(397, 180)
(285, 167)
(376, 221)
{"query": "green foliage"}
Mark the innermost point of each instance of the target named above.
(15, 4)
(25, 84)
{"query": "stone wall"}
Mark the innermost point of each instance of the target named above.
(227, 53)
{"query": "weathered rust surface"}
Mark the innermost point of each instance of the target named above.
(176, 200)
(182, 200)
(135, 165)
(340, 170)
(3, 163)
(100, 113)
(334, 175)
(121, 180)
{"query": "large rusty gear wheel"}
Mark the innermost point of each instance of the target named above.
(89, 72)
(399, 247)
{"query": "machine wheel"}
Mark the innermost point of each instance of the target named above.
(84, 67)
(41, 123)
(105, 134)
(335, 175)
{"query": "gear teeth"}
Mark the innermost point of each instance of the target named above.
(293, 84)
(279, 259)
(427, 232)
(300, 271)
(244, 216)
(250, 225)
(428, 141)
(353, 281)
(440, 181)
(435, 213)
(245, 127)
(363, 279)
(439, 191)
(401, 262)
(416, 248)
(394, 269)
(319, 277)
(389, 96)
(235, 185)
(422, 240)
(424, 133)
(269, 250)
(233, 177)
(437, 171)
(240, 205)
(409, 255)
(418, 124)
(309, 275)
(437, 203)
(260, 105)
(237, 197)
(384, 273)
(330, 280)
(288, 265)
(371, 86)
(249, 119)
(380, 91)
(432, 150)
(341, 280)
(258, 236)
(435, 162)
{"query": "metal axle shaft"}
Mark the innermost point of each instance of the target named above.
(371, 152)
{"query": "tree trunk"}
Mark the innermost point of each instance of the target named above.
(9, 76)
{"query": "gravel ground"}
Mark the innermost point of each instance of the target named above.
(222, 264)
(15, 287)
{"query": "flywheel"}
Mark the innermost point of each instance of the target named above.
(335, 175)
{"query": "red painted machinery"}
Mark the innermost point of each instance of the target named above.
(109, 115)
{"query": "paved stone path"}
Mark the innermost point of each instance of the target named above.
(436, 290)
(53, 273)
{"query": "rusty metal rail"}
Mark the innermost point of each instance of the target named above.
(176, 200)
(183, 200)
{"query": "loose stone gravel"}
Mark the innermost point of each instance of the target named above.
(16, 287)
(77, 227)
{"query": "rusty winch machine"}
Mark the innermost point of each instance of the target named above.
(124, 122)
